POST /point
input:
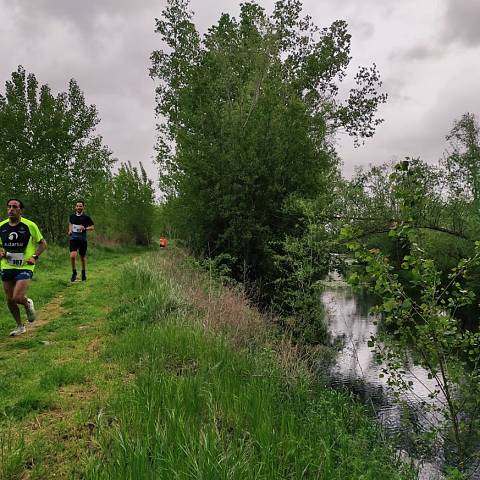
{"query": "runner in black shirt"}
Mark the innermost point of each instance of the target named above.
(78, 225)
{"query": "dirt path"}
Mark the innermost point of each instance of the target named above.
(53, 379)
(46, 314)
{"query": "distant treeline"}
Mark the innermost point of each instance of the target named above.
(50, 156)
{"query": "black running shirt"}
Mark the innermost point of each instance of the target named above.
(76, 221)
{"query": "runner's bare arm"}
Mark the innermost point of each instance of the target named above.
(41, 247)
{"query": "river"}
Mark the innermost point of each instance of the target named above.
(356, 369)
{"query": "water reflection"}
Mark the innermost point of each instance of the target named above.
(358, 370)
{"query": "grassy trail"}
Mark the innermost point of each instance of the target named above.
(152, 370)
(51, 378)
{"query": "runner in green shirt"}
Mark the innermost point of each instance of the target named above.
(21, 243)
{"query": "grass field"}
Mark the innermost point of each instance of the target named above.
(151, 370)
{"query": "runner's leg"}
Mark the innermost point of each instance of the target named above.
(83, 257)
(9, 288)
(19, 292)
(73, 256)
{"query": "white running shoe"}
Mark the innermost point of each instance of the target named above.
(18, 331)
(30, 309)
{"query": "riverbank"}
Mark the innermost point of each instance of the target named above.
(153, 370)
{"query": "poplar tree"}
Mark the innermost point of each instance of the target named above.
(248, 115)
(463, 161)
(131, 203)
(50, 154)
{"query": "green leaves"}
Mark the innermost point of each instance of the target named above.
(49, 151)
(247, 113)
(131, 200)
(419, 314)
(463, 159)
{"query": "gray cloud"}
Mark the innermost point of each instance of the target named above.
(363, 30)
(461, 23)
(453, 102)
(419, 52)
(395, 88)
(417, 128)
(82, 14)
(385, 8)
(105, 45)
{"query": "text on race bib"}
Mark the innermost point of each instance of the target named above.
(14, 259)
(76, 228)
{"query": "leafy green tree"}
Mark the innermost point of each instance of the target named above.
(462, 166)
(463, 159)
(421, 316)
(380, 197)
(423, 300)
(131, 205)
(301, 262)
(248, 113)
(49, 152)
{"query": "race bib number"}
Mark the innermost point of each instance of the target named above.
(76, 228)
(14, 259)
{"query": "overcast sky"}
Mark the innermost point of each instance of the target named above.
(427, 53)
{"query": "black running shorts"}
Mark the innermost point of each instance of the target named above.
(80, 245)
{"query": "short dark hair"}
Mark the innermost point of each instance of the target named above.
(80, 201)
(16, 200)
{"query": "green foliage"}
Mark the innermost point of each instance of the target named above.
(301, 263)
(196, 408)
(421, 315)
(130, 203)
(248, 116)
(381, 196)
(421, 194)
(454, 474)
(463, 160)
(219, 267)
(49, 153)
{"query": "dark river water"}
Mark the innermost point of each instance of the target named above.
(356, 369)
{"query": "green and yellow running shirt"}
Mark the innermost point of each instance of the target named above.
(19, 242)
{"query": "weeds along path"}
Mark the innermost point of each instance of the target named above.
(51, 378)
(157, 371)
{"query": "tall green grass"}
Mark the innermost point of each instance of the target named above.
(12, 456)
(50, 359)
(192, 407)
